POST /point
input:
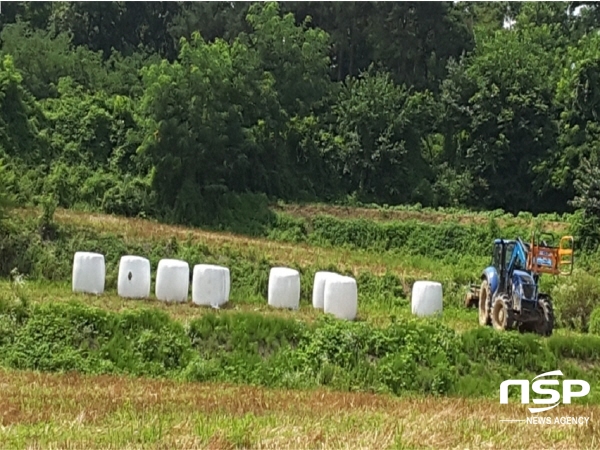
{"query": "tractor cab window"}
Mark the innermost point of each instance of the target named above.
(497, 256)
(509, 253)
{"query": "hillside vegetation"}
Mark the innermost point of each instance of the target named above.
(385, 256)
(193, 120)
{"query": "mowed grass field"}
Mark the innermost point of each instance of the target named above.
(75, 411)
(52, 410)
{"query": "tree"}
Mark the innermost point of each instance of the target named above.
(578, 98)
(380, 125)
(503, 95)
(587, 187)
(5, 196)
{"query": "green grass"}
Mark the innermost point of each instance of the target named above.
(385, 277)
(406, 355)
(376, 313)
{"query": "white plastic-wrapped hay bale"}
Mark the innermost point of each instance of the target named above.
(340, 297)
(210, 285)
(89, 273)
(134, 277)
(318, 295)
(227, 285)
(284, 288)
(427, 298)
(172, 280)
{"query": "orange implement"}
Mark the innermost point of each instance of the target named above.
(552, 260)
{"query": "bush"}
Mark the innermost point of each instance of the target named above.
(575, 299)
(132, 197)
(409, 356)
(595, 321)
(5, 197)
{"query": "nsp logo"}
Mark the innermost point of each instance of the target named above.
(537, 386)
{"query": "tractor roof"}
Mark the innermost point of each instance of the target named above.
(506, 241)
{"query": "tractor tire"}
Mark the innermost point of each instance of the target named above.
(502, 314)
(485, 297)
(545, 325)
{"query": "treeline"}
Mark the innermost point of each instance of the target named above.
(173, 110)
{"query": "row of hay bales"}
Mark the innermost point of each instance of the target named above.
(211, 284)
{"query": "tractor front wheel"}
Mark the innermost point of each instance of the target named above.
(502, 314)
(484, 304)
(545, 324)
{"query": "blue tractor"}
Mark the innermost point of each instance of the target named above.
(508, 296)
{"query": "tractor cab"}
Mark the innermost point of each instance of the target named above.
(503, 256)
(498, 254)
(509, 256)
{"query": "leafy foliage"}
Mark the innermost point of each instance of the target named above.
(129, 109)
(179, 111)
(5, 197)
(595, 321)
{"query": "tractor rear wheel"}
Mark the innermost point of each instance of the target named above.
(502, 314)
(485, 297)
(545, 324)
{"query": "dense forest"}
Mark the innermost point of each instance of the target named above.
(174, 110)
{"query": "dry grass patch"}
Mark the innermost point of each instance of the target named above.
(135, 230)
(76, 411)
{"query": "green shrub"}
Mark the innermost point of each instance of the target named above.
(130, 197)
(581, 348)
(72, 336)
(574, 299)
(409, 356)
(523, 352)
(288, 228)
(595, 321)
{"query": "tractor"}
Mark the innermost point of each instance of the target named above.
(508, 296)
